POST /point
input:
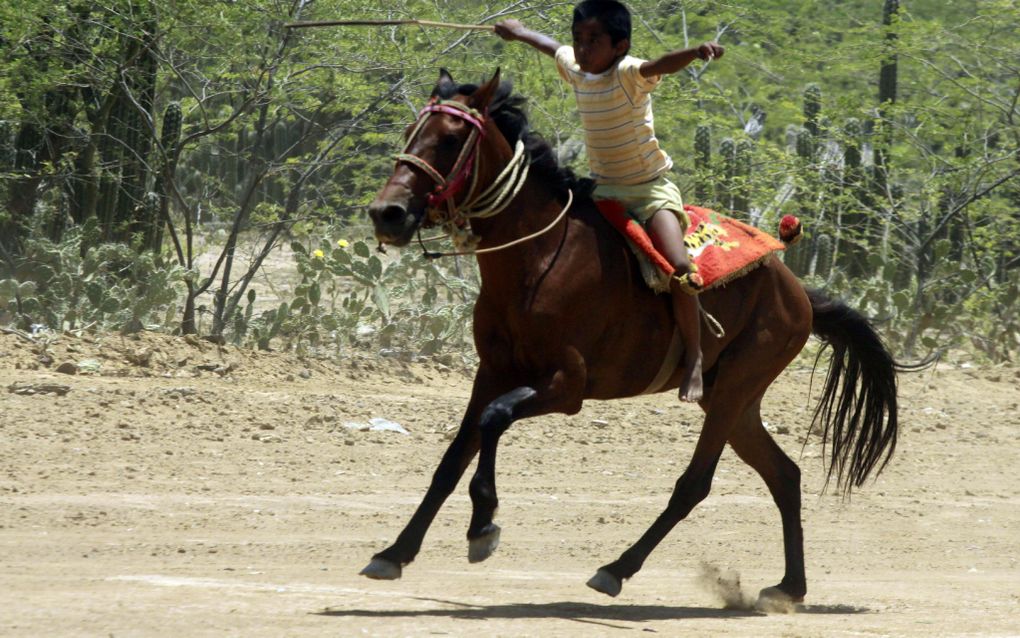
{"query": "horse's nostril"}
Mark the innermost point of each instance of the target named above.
(390, 214)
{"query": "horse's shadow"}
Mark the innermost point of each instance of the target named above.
(582, 612)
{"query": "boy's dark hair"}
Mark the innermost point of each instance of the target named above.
(612, 15)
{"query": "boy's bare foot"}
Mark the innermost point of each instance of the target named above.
(691, 386)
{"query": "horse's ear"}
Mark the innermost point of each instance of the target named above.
(481, 98)
(445, 85)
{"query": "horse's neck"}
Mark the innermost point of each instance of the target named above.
(523, 264)
(533, 210)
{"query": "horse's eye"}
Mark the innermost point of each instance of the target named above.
(449, 142)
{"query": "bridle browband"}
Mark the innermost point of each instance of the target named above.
(495, 198)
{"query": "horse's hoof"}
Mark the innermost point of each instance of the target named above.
(482, 547)
(381, 569)
(606, 583)
(774, 600)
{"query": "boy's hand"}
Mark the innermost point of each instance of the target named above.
(710, 51)
(512, 30)
(509, 29)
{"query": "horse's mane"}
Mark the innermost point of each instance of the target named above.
(507, 112)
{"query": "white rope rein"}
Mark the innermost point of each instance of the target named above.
(503, 189)
(570, 200)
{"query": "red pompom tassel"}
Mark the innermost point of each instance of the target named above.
(790, 230)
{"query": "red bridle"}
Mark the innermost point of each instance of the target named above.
(447, 187)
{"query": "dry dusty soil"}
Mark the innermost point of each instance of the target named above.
(178, 488)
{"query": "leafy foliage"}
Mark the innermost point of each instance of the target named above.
(891, 128)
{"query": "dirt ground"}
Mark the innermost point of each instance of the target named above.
(177, 488)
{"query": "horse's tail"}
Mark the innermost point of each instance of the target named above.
(857, 408)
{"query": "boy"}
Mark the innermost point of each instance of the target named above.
(613, 98)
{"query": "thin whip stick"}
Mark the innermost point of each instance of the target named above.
(384, 23)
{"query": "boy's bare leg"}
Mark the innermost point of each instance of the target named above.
(666, 234)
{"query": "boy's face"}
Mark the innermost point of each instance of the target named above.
(593, 48)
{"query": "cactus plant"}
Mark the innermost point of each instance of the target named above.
(727, 152)
(887, 81)
(169, 140)
(812, 108)
(805, 144)
(6, 146)
(823, 256)
(742, 178)
(703, 160)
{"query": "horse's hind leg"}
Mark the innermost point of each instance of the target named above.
(691, 488)
(755, 446)
(737, 389)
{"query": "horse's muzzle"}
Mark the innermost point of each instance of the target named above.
(394, 223)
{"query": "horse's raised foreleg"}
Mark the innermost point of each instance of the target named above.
(691, 488)
(755, 446)
(387, 564)
(483, 534)
(561, 392)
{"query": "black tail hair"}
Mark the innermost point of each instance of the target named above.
(857, 409)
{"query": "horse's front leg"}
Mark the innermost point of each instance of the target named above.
(562, 392)
(483, 534)
(388, 564)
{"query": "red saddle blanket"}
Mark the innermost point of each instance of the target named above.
(721, 247)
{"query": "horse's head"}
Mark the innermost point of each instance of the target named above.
(437, 160)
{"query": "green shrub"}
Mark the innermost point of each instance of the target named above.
(111, 286)
(350, 297)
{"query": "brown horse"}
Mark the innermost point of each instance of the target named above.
(563, 315)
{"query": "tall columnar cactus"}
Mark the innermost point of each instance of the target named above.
(727, 153)
(805, 144)
(887, 76)
(6, 146)
(138, 174)
(823, 256)
(887, 80)
(170, 132)
(812, 108)
(111, 157)
(742, 179)
(169, 142)
(703, 162)
(856, 224)
(853, 171)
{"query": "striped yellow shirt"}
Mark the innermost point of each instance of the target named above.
(616, 113)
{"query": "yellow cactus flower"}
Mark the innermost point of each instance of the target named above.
(342, 243)
(319, 254)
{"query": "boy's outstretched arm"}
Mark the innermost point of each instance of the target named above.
(676, 60)
(513, 30)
